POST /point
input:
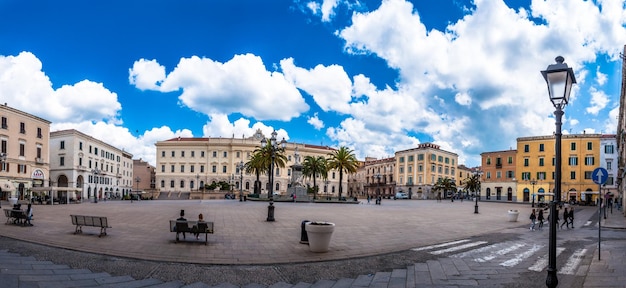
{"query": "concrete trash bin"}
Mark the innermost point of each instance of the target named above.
(304, 238)
(513, 215)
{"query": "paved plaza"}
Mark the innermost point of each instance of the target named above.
(365, 235)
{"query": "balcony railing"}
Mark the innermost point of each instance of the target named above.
(39, 160)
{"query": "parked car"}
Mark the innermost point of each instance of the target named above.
(401, 195)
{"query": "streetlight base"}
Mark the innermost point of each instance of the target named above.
(552, 281)
(270, 212)
(476, 209)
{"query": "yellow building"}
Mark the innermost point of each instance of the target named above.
(185, 165)
(580, 155)
(24, 153)
(418, 169)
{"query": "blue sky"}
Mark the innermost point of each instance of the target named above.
(376, 76)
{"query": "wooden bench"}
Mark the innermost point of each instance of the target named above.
(14, 216)
(191, 227)
(93, 221)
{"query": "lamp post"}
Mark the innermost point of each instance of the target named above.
(477, 178)
(198, 181)
(559, 78)
(240, 167)
(533, 182)
(274, 147)
(378, 199)
(137, 180)
(3, 159)
(95, 173)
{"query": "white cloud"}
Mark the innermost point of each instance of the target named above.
(610, 125)
(316, 122)
(463, 99)
(241, 85)
(327, 9)
(599, 100)
(601, 78)
(220, 126)
(146, 74)
(23, 83)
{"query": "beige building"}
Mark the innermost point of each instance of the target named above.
(93, 167)
(463, 173)
(377, 176)
(24, 150)
(418, 169)
(621, 139)
(498, 182)
(185, 165)
(144, 177)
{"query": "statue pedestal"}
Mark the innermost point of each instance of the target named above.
(300, 193)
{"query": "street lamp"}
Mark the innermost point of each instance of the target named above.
(533, 182)
(274, 147)
(559, 78)
(95, 173)
(240, 167)
(378, 200)
(477, 178)
(137, 180)
(198, 181)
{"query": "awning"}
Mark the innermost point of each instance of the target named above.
(6, 185)
(63, 189)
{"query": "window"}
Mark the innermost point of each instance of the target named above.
(22, 128)
(173, 154)
(401, 159)
(410, 158)
(526, 148)
(39, 134)
(225, 154)
(62, 145)
(498, 161)
(182, 168)
(39, 152)
(162, 183)
(432, 168)
(182, 183)
(609, 149)
(4, 146)
(4, 123)
(433, 157)
(191, 184)
(509, 174)
(488, 161)
(193, 154)
(589, 145)
(162, 168)
(182, 153)
(573, 175)
(201, 168)
(440, 158)
(410, 169)
(420, 157)
(541, 175)
(420, 168)
(401, 169)
(541, 161)
(22, 149)
(588, 174)
(171, 183)
(573, 146)
(214, 169)
(589, 160)
(162, 153)
(541, 148)
(609, 165)
(214, 154)
(224, 169)
(238, 154)
(172, 168)
(573, 161)
(191, 169)
(95, 151)
(498, 174)
(202, 154)
(525, 176)
(448, 160)
(526, 162)
(61, 161)
(21, 168)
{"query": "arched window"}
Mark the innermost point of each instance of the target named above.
(162, 183)
(182, 183)
(171, 183)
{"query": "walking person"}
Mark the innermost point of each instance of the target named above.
(540, 219)
(570, 216)
(565, 218)
(532, 220)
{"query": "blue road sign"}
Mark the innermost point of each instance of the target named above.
(599, 175)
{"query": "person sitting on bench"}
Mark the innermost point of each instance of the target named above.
(201, 226)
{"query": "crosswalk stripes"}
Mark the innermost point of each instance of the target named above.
(506, 254)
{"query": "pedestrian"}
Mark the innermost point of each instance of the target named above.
(532, 220)
(29, 215)
(565, 218)
(368, 198)
(570, 216)
(540, 219)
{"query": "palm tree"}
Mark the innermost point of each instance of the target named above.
(446, 184)
(343, 160)
(472, 184)
(312, 167)
(261, 162)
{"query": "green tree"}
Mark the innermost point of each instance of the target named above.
(312, 167)
(343, 160)
(472, 184)
(446, 184)
(261, 162)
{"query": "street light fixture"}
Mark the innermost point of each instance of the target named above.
(378, 199)
(137, 180)
(96, 174)
(274, 147)
(559, 78)
(240, 167)
(533, 182)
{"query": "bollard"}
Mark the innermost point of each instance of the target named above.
(304, 238)
(270, 212)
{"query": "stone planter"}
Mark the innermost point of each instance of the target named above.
(319, 234)
(513, 215)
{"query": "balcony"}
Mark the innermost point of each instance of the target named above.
(39, 160)
(498, 165)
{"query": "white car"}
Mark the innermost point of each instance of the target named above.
(401, 195)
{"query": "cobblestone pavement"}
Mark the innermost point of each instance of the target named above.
(509, 256)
